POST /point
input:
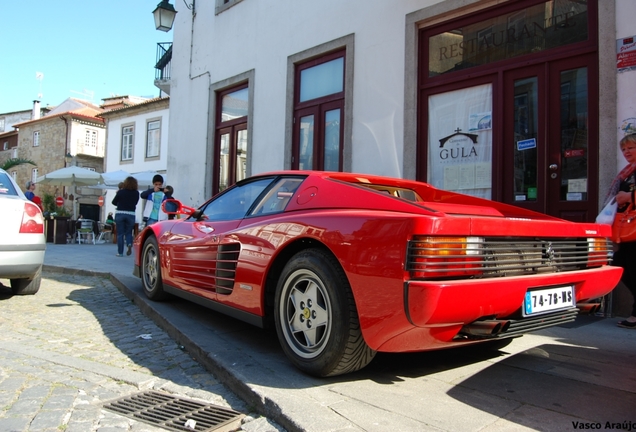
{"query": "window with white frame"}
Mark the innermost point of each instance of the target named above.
(5, 146)
(127, 140)
(36, 139)
(91, 138)
(14, 174)
(34, 175)
(153, 138)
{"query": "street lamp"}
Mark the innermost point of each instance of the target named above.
(164, 16)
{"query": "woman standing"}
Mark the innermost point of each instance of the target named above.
(623, 188)
(126, 201)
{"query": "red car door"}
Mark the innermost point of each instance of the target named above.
(191, 256)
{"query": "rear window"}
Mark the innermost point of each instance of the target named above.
(407, 194)
(6, 185)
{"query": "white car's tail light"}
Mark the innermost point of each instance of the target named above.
(32, 220)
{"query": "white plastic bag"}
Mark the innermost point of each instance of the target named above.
(606, 216)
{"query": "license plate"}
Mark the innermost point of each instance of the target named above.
(549, 299)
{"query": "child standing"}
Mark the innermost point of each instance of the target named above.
(154, 197)
(171, 207)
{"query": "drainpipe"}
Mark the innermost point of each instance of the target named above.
(67, 147)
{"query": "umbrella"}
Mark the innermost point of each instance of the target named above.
(144, 178)
(113, 178)
(70, 176)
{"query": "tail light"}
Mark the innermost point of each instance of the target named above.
(598, 252)
(32, 220)
(435, 257)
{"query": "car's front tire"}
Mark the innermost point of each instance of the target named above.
(316, 318)
(151, 270)
(26, 286)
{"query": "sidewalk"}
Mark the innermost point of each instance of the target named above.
(93, 259)
(530, 383)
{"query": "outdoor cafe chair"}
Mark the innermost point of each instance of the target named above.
(84, 232)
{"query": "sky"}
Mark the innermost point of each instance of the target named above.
(86, 49)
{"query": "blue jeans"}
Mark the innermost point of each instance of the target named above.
(125, 224)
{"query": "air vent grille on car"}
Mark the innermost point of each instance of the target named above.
(226, 261)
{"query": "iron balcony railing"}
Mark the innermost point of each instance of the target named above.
(164, 61)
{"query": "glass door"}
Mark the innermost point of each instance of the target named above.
(573, 131)
(550, 143)
(524, 144)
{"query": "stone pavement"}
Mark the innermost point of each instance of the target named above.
(79, 343)
(548, 380)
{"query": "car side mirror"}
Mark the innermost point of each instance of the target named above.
(173, 206)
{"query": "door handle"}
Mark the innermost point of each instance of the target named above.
(553, 167)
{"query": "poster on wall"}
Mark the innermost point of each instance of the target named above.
(460, 141)
(626, 54)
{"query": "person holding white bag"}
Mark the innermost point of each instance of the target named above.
(622, 190)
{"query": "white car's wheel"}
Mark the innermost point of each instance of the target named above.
(26, 286)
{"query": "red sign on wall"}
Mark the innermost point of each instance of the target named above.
(100, 201)
(59, 201)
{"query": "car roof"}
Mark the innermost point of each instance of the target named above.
(344, 176)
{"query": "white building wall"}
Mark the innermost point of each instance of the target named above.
(260, 36)
(78, 143)
(139, 163)
(626, 80)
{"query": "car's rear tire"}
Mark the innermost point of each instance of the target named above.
(151, 270)
(316, 318)
(25, 286)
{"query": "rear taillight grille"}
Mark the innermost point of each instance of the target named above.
(431, 257)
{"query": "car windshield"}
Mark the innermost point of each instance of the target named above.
(6, 185)
(235, 202)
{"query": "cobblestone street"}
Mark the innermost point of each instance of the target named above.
(79, 343)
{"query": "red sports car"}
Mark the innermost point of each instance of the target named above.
(344, 265)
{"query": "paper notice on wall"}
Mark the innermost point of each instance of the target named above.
(626, 54)
(577, 185)
(483, 175)
(480, 121)
(451, 177)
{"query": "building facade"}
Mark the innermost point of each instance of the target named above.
(70, 134)
(514, 101)
(136, 141)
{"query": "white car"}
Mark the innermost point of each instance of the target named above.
(22, 239)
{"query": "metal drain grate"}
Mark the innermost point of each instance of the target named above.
(175, 413)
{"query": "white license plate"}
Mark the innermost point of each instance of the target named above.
(549, 299)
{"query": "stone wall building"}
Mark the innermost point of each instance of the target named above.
(68, 135)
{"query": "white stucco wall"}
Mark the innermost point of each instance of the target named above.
(262, 36)
(139, 163)
(626, 80)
